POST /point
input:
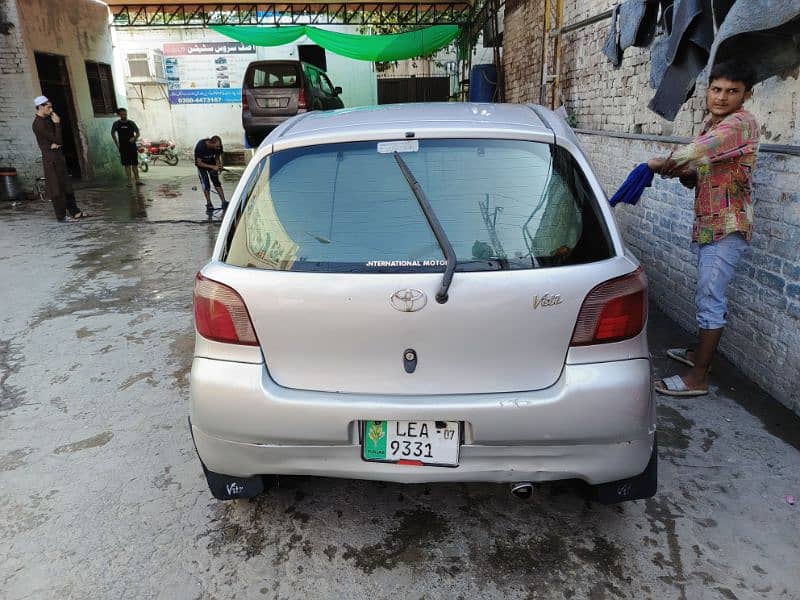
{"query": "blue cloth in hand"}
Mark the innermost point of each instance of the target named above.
(630, 191)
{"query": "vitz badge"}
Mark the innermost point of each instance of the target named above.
(546, 300)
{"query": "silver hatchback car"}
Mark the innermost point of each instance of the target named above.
(423, 293)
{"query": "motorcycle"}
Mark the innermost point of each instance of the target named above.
(162, 149)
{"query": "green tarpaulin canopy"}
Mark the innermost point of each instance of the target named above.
(376, 48)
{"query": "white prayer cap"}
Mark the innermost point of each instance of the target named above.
(39, 100)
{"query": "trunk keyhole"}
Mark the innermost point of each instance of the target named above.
(410, 360)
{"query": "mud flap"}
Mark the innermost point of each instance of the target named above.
(229, 487)
(633, 488)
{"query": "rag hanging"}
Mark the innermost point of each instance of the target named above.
(763, 33)
(689, 45)
(633, 23)
(630, 191)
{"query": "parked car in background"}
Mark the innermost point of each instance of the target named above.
(423, 293)
(274, 90)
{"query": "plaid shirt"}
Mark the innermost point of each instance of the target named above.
(724, 155)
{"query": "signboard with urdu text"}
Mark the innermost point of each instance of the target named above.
(206, 72)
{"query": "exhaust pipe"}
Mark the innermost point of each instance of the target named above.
(522, 490)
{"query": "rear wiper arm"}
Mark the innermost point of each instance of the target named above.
(436, 227)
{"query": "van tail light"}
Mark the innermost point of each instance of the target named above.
(613, 311)
(220, 314)
(244, 100)
(302, 100)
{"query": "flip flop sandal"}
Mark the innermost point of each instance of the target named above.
(681, 355)
(674, 386)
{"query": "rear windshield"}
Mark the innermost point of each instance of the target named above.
(348, 208)
(273, 75)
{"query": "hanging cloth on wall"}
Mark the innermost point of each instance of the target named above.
(659, 49)
(687, 55)
(763, 33)
(633, 23)
(375, 48)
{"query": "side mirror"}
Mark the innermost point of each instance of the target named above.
(337, 90)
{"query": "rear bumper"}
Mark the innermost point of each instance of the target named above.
(263, 124)
(596, 423)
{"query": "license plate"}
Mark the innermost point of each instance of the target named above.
(273, 103)
(433, 443)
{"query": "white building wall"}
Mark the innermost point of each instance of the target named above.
(149, 107)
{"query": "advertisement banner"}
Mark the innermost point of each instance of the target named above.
(206, 72)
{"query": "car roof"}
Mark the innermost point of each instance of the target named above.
(417, 118)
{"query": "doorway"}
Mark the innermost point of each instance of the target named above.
(314, 55)
(54, 80)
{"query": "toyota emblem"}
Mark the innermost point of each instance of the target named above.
(409, 300)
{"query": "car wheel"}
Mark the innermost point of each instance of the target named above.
(637, 487)
(252, 140)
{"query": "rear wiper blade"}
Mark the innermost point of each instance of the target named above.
(436, 227)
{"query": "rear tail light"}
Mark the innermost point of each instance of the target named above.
(220, 314)
(302, 101)
(613, 311)
(244, 100)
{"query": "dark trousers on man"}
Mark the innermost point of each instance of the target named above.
(58, 185)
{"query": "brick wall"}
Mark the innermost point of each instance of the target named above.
(763, 334)
(16, 93)
(523, 30)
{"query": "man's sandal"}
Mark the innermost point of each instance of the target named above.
(682, 356)
(675, 386)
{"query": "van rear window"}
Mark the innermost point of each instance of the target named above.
(274, 75)
(347, 207)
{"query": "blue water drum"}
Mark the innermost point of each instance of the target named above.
(482, 83)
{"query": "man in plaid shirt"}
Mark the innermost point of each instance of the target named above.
(719, 165)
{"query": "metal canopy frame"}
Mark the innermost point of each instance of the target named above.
(203, 15)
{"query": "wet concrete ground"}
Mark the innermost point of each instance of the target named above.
(101, 495)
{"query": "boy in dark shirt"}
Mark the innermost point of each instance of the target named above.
(125, 133)
(208, 158)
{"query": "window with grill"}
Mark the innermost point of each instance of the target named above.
(101, 88)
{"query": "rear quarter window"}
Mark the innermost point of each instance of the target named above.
(348, 208)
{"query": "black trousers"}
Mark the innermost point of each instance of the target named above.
(58, 185)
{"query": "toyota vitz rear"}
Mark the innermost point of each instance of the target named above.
(423, 293)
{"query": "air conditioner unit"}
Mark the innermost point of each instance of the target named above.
(146, 66)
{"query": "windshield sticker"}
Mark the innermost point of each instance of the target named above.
(406, 263)
(404, 146)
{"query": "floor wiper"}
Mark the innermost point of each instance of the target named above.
(436, 227)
